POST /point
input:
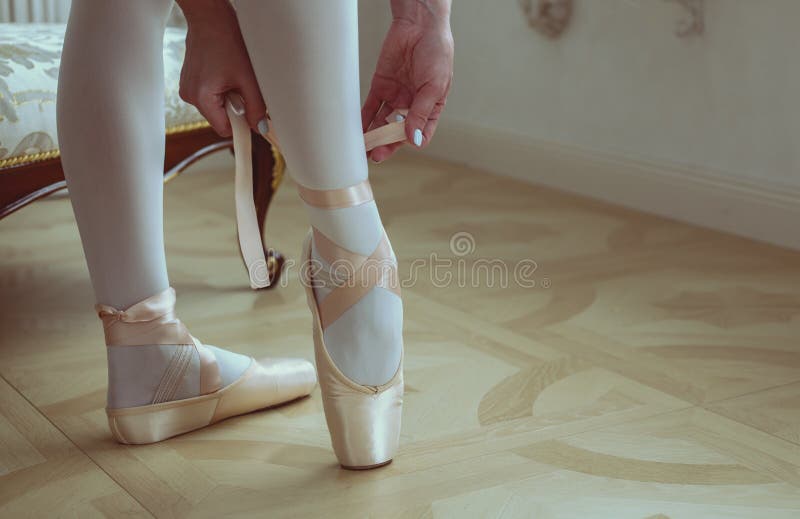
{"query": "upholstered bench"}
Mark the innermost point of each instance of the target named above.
(30, 167)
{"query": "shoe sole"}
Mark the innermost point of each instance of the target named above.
(368, 467)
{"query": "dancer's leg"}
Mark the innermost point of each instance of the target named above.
(111, 134)
(305, 55)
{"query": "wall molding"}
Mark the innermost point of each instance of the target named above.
(767, 213)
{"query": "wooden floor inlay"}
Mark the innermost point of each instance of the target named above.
(639, 367)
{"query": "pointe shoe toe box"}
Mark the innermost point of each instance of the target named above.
(294, 377)
(268, 382)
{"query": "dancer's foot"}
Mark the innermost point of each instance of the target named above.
(164, 382)
(365, 341)
(363, 418)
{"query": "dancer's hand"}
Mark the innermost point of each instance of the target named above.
(414, 71)
(216, 63)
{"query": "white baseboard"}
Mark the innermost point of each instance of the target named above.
(765, 213)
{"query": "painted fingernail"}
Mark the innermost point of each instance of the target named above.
(417, 137)
(237, 104)
(263, 127)
(399, 118)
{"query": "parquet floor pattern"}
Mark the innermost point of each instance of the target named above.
(651, 371)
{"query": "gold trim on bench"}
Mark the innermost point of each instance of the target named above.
(278, 168)
(30, 158)
(188, 127)
(54, 154)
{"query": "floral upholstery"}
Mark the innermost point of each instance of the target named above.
(29, 60)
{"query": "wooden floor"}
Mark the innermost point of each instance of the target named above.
(653, 371)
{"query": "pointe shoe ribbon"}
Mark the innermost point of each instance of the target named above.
(153, 321)
(251, 242)
(393, 131)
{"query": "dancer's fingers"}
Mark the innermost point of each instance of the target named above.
(212, 107)
(382, 153)
(254, 107)
(433, 121)
(422, 107)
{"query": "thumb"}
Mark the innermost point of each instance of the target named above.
(254, 106)
(417, 119)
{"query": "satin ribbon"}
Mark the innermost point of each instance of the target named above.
(250, 240)
(149, 309)
(352, 196)
(393, 131)
(153, 321)
(375, 270)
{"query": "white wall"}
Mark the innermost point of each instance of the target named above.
(619, 85)
(704, 129)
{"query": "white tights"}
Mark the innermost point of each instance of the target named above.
(305, 56)
(111, 134)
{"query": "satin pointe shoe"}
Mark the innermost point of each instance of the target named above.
(265, 383)
(364, 421)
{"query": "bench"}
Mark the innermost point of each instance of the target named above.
(30, 167)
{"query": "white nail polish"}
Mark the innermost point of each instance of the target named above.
(263, 127)
(399, 118)
(417, 137)
(237, 104)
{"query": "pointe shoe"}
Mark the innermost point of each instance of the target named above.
(265, 383)
(364, 421)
